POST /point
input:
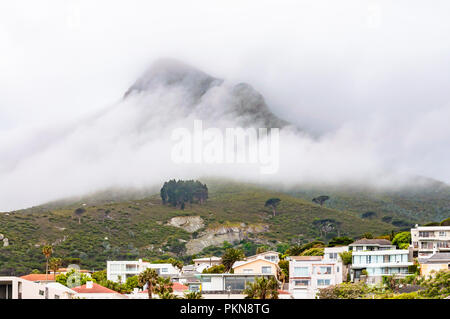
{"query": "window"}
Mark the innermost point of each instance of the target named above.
(237, 283)
(206, 279)
(323, 282)
(248, 271)
(41, 292)
(301, 283)
(368, 259)
(426, 245)
(443, 244)
(131, 267)
(332, 255)
(271, 258)
(266, 270)
(324, 270)
(425, 234)
(164, 270)
(337, 269)
(116, 267)
(301, 271)
(194, 287)
(442, 234)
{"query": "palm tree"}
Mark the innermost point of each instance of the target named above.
(148, 277)
(163, 287)
(262, 288)
(193, 295)
(282, 275)
(47, 250)
(230, 257)
(54, 264)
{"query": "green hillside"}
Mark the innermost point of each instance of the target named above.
(139, 228)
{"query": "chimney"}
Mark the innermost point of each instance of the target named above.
(89, 284)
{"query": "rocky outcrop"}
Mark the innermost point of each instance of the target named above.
(4, 240)
(216, 236)
(188, 223)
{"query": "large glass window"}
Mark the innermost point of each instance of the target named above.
(237, 283)
(301, 283)
(323, 282)
(324, 270)
(117, 267)
(301, 271)
(266, 270)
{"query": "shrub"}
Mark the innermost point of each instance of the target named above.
(344, 291)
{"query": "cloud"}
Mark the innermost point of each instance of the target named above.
(368, 79)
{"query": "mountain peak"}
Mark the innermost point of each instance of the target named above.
(171, 72)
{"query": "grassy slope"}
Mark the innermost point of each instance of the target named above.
(137, 228)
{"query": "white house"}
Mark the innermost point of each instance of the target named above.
(119, 271)
(19, 288)
(380, 263)
(428, 240)
(208, 261)
(307, 274)
(267, 255)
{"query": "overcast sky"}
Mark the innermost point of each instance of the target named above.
(377, 69)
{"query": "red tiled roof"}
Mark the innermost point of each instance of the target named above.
(96, 289)
(176, 287)
(39, 277)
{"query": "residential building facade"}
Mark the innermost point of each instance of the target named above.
(307, 274)
(379, 263)
(258, 265)
(119, 271)
(371, 245)
(435, 263)
(226, 283)
(19, 288)
(428, 240)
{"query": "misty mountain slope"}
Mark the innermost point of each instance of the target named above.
(139, 228)
(129, 145)
(207, 97)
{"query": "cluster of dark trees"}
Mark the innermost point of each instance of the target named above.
(178, 193)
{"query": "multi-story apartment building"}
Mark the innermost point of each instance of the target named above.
(119, 271)
(379, 263)
(428, 240)
(310, 273)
